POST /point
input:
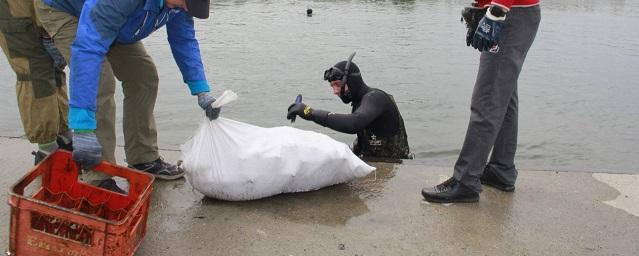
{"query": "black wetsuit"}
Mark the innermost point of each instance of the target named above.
(376, 120)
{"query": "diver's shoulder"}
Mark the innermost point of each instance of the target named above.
(377, 95)
(374, 92)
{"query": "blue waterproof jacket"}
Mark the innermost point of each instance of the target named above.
(105, 22)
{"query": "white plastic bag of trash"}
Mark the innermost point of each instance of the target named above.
(235, 161)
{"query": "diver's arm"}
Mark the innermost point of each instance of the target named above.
(370, 108)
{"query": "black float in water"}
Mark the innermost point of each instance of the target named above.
(309, 12)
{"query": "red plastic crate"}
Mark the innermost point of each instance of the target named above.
(71, 218)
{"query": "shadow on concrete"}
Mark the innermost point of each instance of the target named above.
(318, 207)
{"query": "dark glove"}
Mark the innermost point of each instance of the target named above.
(487, 33)
(471, 15)
(299, 109)
(87, 151)
(205, 99)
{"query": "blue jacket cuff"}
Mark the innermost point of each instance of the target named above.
(82, 119)
(198, 86)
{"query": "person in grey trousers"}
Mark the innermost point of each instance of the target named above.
(503, 35)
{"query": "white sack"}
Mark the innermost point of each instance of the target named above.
(231, 160)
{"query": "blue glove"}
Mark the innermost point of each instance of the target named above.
(205, 99)
(487, 33)
(87, 151)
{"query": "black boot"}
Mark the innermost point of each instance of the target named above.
(38, 156)
(450, 191)
(63, 145)
(489, 178)
(110, 184)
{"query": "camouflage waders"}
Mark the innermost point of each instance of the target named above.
(41, 82)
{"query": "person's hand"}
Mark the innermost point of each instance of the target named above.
(205, 99)
(471, 15)
(487, 34)
(299, 109)
(87, 151)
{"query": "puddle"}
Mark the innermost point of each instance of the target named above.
(628, 187)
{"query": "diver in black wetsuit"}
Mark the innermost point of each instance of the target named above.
(375, 117)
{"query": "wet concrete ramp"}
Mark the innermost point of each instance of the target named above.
(550, 213)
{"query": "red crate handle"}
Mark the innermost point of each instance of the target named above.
(136, 179)
(41, 168)
(18, 188)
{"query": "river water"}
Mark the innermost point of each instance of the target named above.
(578, 90)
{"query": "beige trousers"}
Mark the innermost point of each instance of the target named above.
(132, 66)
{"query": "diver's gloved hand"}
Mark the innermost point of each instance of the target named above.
(87, 151)
(299, 109)
(205, 99)
(488, 30)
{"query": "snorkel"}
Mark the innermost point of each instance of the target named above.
(346, 96)
(346, 70)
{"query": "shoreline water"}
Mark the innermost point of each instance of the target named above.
(578, 107)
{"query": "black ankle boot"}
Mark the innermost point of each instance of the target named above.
(64, 145)
(489, 178)
(450, 191)
(110, 184)
(38, 156)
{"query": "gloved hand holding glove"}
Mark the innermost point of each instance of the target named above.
(299, 109)
(87, 150)
(471, 15)
(205, 99)
(487, 34)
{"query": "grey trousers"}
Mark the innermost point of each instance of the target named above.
(494, 104)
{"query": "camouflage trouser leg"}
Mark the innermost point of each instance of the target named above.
(40, 87)
(62, 28)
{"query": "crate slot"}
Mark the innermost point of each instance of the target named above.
(61, 228)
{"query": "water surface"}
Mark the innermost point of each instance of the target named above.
(578, 90)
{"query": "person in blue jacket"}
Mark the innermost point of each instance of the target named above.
(100, 39)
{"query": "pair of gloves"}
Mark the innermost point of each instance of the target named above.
(87, 150)
(484, 34)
